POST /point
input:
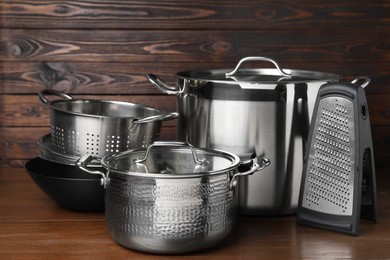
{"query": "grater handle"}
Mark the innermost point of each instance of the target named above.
(365, 80)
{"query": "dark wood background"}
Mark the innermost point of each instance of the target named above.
(103, 49)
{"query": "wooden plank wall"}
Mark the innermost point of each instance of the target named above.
(103, 49)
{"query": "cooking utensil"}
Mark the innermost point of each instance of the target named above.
(99, 127)
(251, 112)
(67, 185)
(170, 198)
(338, 181)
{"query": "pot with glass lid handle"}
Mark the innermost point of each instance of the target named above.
(171, 197)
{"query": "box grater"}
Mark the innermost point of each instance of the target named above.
(338, 181)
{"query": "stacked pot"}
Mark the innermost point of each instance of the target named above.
(159, 197)
(88, 127)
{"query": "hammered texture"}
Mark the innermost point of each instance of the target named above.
(158, 209)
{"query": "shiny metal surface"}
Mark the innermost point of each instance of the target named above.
(171, 160)
(338, 181)
(197, 161)
(256, 123)
(170, 203)
(329, 185)
(170, 216)
(254, 113)
(49, 154)
(247, 59)
(99, 127)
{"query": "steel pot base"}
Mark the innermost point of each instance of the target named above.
(170, 216)
(171, 198)
(169, 246)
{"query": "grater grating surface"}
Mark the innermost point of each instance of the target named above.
(338, 184)
(329, 184)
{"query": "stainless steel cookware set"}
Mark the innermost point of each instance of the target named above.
(242, 136)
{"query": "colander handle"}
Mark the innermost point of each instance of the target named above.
(257, 58)
(172, 144)
(44, 92)
(255, 167)
(149, 119)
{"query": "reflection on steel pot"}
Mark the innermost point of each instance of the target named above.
(99, 127)
(252, 113)
(170, 198)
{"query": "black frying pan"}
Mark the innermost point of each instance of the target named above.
(69, 186)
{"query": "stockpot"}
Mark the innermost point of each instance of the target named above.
(253, 113)
(100, 127)
(170, 198)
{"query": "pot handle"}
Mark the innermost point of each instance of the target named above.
(83, 163)
(44, 92)
(365, 80)
(282, 73)
(172, 144)
(149, 119)
(255, 167)
(161, 85)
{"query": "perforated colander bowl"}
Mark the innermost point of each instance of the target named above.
(99, 127)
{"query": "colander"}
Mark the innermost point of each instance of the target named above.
(338, 181)
(100, 127)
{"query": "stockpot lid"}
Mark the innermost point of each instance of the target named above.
(171, 160)
(258, 76)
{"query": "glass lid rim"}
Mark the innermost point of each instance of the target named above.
(234, 163)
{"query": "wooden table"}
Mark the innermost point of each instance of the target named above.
(32, 226)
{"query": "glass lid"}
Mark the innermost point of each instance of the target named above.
(171, 159)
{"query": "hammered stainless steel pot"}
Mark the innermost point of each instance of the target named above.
(100, 127)
(170, 198)
(251, 113)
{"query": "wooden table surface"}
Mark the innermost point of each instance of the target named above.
(32, 226)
